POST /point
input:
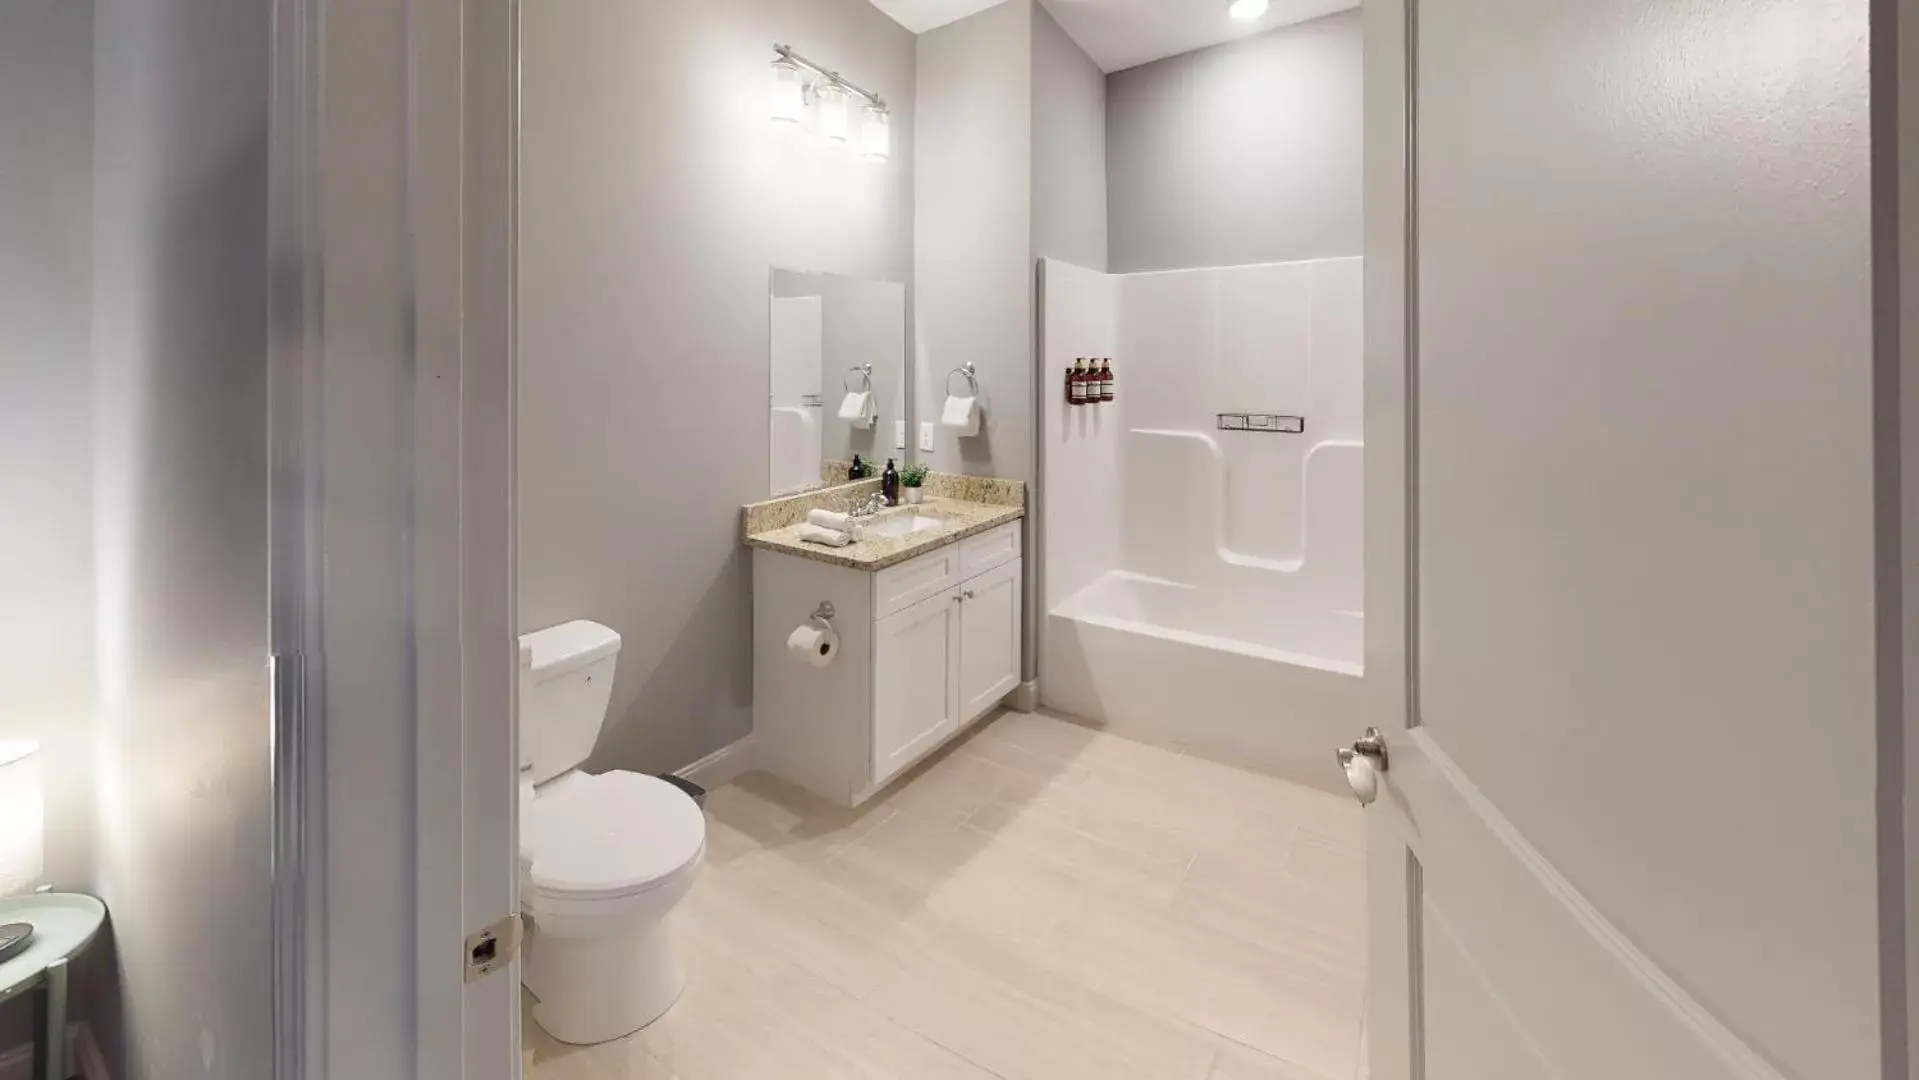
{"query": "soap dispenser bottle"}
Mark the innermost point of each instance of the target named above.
(858, 471)
(890, 484)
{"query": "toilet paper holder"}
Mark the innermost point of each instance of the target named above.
(823, 614)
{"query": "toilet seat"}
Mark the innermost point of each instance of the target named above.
(615, 834)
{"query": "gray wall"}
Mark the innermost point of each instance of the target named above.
(180, 454)
(1069, 222)
(973, 277)
(1069, 148)
(46, 569)
(654, 197)
(1243, 153)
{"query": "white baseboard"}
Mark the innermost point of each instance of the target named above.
(722, 766)
(83, 1055)
(1025, 696)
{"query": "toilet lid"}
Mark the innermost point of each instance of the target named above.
(610, 835)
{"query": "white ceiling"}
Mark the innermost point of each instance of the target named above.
(1120, 34)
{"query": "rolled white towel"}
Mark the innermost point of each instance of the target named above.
(813, 534)
(827, 519)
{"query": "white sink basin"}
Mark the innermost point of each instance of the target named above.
(892, 528)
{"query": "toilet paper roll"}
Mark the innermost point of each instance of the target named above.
(813, 644)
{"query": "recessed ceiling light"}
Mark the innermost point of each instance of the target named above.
(1248, 10)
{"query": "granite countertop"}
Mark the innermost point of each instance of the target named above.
(963, 518)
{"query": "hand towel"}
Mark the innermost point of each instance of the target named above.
(961, 414)
(858, 410)
(827, 519)
(813, 534)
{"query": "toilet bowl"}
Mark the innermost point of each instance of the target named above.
(604, 857)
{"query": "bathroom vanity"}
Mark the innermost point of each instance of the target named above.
(928, 615)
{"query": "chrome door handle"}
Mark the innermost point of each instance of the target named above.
(1362, 764)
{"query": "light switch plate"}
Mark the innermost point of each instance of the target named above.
(899, 434)
(926, 435)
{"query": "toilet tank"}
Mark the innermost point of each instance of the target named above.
(566, 680)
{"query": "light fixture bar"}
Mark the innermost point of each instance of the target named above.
(786, 51)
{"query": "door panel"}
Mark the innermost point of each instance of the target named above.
(1620, 315)
(915, 679)
(989, 639)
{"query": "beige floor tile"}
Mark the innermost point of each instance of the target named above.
(952, 787)
(990, 1000)
(1098, 862)
(1040, 901)
(1274, 1001)
(1242, 1063)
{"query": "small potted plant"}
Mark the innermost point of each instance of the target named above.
(912, 478)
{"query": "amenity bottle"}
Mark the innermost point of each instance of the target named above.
(1106, 379)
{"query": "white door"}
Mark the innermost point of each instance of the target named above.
(1623, 629)
(989, 639)
(915, 681)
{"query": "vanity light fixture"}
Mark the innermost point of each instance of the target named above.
(876, 134)
(787, 94)
(835, 100)
(835, 125)
(1247, 10)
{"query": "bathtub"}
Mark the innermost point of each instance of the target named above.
(1251, 674)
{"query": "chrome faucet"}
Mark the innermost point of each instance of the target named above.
(871, 506)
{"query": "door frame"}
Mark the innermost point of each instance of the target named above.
(391, 146)
(1390, 496)
(1895, 105)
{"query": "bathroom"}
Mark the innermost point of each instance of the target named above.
(1084, 688)
(446, 636)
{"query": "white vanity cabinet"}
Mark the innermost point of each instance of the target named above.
(927, 646)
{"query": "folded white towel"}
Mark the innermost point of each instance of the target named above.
(827, 519)
(813, 534)
(961, 414)
(857, 409)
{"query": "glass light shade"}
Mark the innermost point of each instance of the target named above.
(1248, 10)
(22, 817)
(835, 124)
(876, 134)
(787, 93)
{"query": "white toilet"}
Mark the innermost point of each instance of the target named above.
(603, 858)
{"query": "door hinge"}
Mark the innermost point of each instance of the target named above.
(492, 947)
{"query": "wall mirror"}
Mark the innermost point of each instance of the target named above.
(836, 361)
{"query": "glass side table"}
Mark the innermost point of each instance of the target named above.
(64, 924)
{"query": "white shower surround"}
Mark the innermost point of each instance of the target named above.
(1204, 588)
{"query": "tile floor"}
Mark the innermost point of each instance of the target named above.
(1039, 902)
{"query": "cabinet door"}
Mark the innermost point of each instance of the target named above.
(989, 639)
(915, 682)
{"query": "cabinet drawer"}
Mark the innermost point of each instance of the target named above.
(989, 549)
(898, 587)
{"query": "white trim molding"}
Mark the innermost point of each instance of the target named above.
(1025, 697)
(722, 766)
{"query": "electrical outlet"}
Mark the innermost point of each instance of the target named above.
(899, 434)
(926, 436)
